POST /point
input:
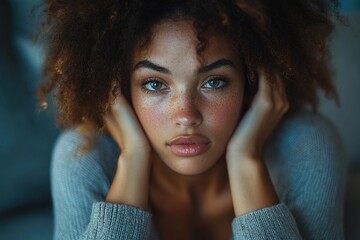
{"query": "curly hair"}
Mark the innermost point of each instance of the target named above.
(90, 45)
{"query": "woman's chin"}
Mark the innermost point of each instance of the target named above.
(190, 166)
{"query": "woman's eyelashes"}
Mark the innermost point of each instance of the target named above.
(215, 83)
(153, 85)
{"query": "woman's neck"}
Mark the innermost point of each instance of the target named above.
(208, 184)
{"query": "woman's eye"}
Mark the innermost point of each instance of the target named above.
(154, 85)
(215, 83)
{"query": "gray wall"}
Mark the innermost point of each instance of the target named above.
(346, 62)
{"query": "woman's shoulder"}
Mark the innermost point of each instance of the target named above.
(80, 176)
(304, 139)
(84, 156)
(308, 169)
(308, 128)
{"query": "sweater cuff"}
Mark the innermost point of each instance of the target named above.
(274, 222)
(117, 221)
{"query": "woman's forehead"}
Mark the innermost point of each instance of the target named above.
(171, 39)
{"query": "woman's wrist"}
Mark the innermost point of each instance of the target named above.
(131, 182)
(251, 186)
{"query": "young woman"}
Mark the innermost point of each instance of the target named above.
(188, 120)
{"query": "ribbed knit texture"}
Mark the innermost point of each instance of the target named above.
(304, 158)
(268, 223)
(108, 220)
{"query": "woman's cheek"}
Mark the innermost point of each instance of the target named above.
(151, 115)
(224, 116)
(225, 113)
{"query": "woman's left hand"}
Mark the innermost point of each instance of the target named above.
(250, 184)
(267, 109)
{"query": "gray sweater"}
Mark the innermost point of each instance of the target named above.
(303, 156)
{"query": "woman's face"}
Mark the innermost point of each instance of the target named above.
(188, 106)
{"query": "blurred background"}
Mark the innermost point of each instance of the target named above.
(27, 135)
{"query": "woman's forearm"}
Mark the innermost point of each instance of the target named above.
(251, 186)
(131, 183)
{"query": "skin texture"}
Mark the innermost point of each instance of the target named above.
(186, 105)
(89, 42)
(174, 94)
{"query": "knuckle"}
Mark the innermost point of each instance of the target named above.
(282, 106)
(266, 104)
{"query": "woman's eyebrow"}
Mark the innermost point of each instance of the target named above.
(217, 64)
(153, 66)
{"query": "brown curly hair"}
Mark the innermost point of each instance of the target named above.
(90, 44)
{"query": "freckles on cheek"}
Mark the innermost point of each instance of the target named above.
(151, 117)
(225, 114)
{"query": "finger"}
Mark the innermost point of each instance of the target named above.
(123, 113)
(268, 107)
(265, 90)
(264, 99)
(273, 95)
(252, 122)
(113, 128)
(126, 119)
(280, 95)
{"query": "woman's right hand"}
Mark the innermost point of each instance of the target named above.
(126, 130)
(131, 182)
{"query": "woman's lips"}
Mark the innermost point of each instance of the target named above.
(188, 146)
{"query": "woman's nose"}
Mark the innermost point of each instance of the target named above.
(186, 111)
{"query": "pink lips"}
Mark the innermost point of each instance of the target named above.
(189, 146)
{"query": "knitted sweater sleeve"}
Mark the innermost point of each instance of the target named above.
(79, 182)
(306, 165)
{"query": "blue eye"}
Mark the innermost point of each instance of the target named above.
(154, 85)
(215, 83)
